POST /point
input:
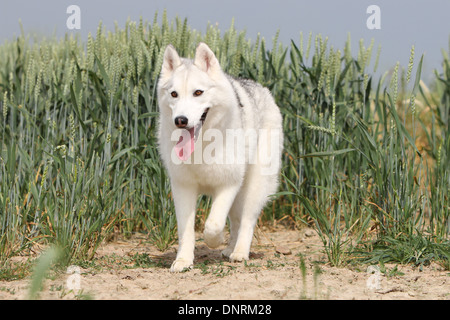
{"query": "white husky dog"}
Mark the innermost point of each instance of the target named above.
(236, 160)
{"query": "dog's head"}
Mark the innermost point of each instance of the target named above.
(188, 87)
(188, 90)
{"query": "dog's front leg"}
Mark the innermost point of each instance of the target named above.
(222, 201)
(185, 198)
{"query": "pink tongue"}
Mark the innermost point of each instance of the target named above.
(185, 145)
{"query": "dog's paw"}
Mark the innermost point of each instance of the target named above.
(238, 256)
(181, 265)
(213, 236)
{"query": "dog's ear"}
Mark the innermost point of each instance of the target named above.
(171, 61)
(205, 59)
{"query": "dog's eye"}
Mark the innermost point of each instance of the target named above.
(198, 93)
(174, 94)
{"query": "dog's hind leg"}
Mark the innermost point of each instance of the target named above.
(246, 210)
(235, 222)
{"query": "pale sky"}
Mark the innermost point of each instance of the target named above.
(422, 23)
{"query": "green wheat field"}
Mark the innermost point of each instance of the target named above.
(366, 159)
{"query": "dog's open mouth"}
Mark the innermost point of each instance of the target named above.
(186, 144)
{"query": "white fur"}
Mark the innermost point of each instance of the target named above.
(239, 190)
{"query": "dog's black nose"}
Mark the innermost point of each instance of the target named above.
(181, 122)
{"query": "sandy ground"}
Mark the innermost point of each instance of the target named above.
(272, 273)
